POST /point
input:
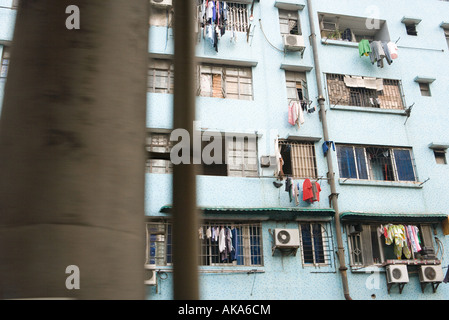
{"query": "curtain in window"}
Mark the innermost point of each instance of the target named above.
(404, 165)
(361, 163)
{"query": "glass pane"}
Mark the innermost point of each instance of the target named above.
(404, 165)
(361, 164)
(346, 162)
(307, 248)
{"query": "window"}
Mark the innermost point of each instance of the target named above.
(440, 156)
(237, 17)
(161, 77)
(158, 147)
(246, 244)
(376, 163)
(446, 33)
(299, 159)
(231, 155)
(315, 244)
(425, 89)
(368, 245)
(238, 157)
(364, 92)
(289, 22)
(225, 82)
(158, 243)
(296, 86)
(411, 29)
(352, 29)
(5, 62)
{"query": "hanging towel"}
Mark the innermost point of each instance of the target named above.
(292, 113)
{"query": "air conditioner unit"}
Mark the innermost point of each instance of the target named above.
(294, 42)
(431, 273)
(397, 273)
(150, 275)
(286, 238)
(162, 3)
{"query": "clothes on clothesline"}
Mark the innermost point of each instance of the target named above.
(295, 113)
(405, 239)
(311, 191)
(225, 237)
(213, 18)
(378, 51)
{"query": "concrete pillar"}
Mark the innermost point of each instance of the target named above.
(72, 134)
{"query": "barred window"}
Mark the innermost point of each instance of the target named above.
(376, 163)
(242, 247)
(364, 92)
(315, 243)
(225, 82)
(158, 147)
(299, 159)
(158, 243)
(161, 78)
(367, 245)
(5, 62)
(237, 17)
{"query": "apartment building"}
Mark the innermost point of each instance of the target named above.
(269, 225)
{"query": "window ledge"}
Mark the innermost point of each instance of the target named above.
(368, 109)
(377, 183)
(213, 269)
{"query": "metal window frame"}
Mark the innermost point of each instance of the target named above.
(309, 148)
(326, 238)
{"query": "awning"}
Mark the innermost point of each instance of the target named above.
(392, 217)
(275, 213)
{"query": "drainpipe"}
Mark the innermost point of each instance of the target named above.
(331, 177)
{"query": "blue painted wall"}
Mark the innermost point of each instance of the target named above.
(285, 277)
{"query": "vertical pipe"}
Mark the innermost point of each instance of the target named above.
(331, 176)
(72, 132)
(185, 216)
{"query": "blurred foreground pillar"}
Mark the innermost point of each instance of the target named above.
(72, 133)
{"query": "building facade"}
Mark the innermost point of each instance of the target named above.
(268, 228)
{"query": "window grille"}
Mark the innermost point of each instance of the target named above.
(5, 62)
(248, 243)
(368, 247)
(388, 95)
(161, 78)
(316, 244)
(299, 159)
(158, 243)
(237, 17)
(158, 147)
(376, 163)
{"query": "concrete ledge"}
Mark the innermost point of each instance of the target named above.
(368, 109)
(377, 183)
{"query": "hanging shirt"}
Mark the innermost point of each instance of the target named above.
(364, 48)
(210, 10)
(307, 192)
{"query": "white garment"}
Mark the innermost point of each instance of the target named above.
(222, 241)
(393, 48)
(210, 10)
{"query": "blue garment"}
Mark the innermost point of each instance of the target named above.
(235, 245)
(326, 148)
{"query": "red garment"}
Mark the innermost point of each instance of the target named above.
(318, 190)
(307, 193)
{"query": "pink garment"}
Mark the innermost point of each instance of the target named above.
(393, 48)
(292, 113)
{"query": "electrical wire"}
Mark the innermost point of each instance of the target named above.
(261, 28)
